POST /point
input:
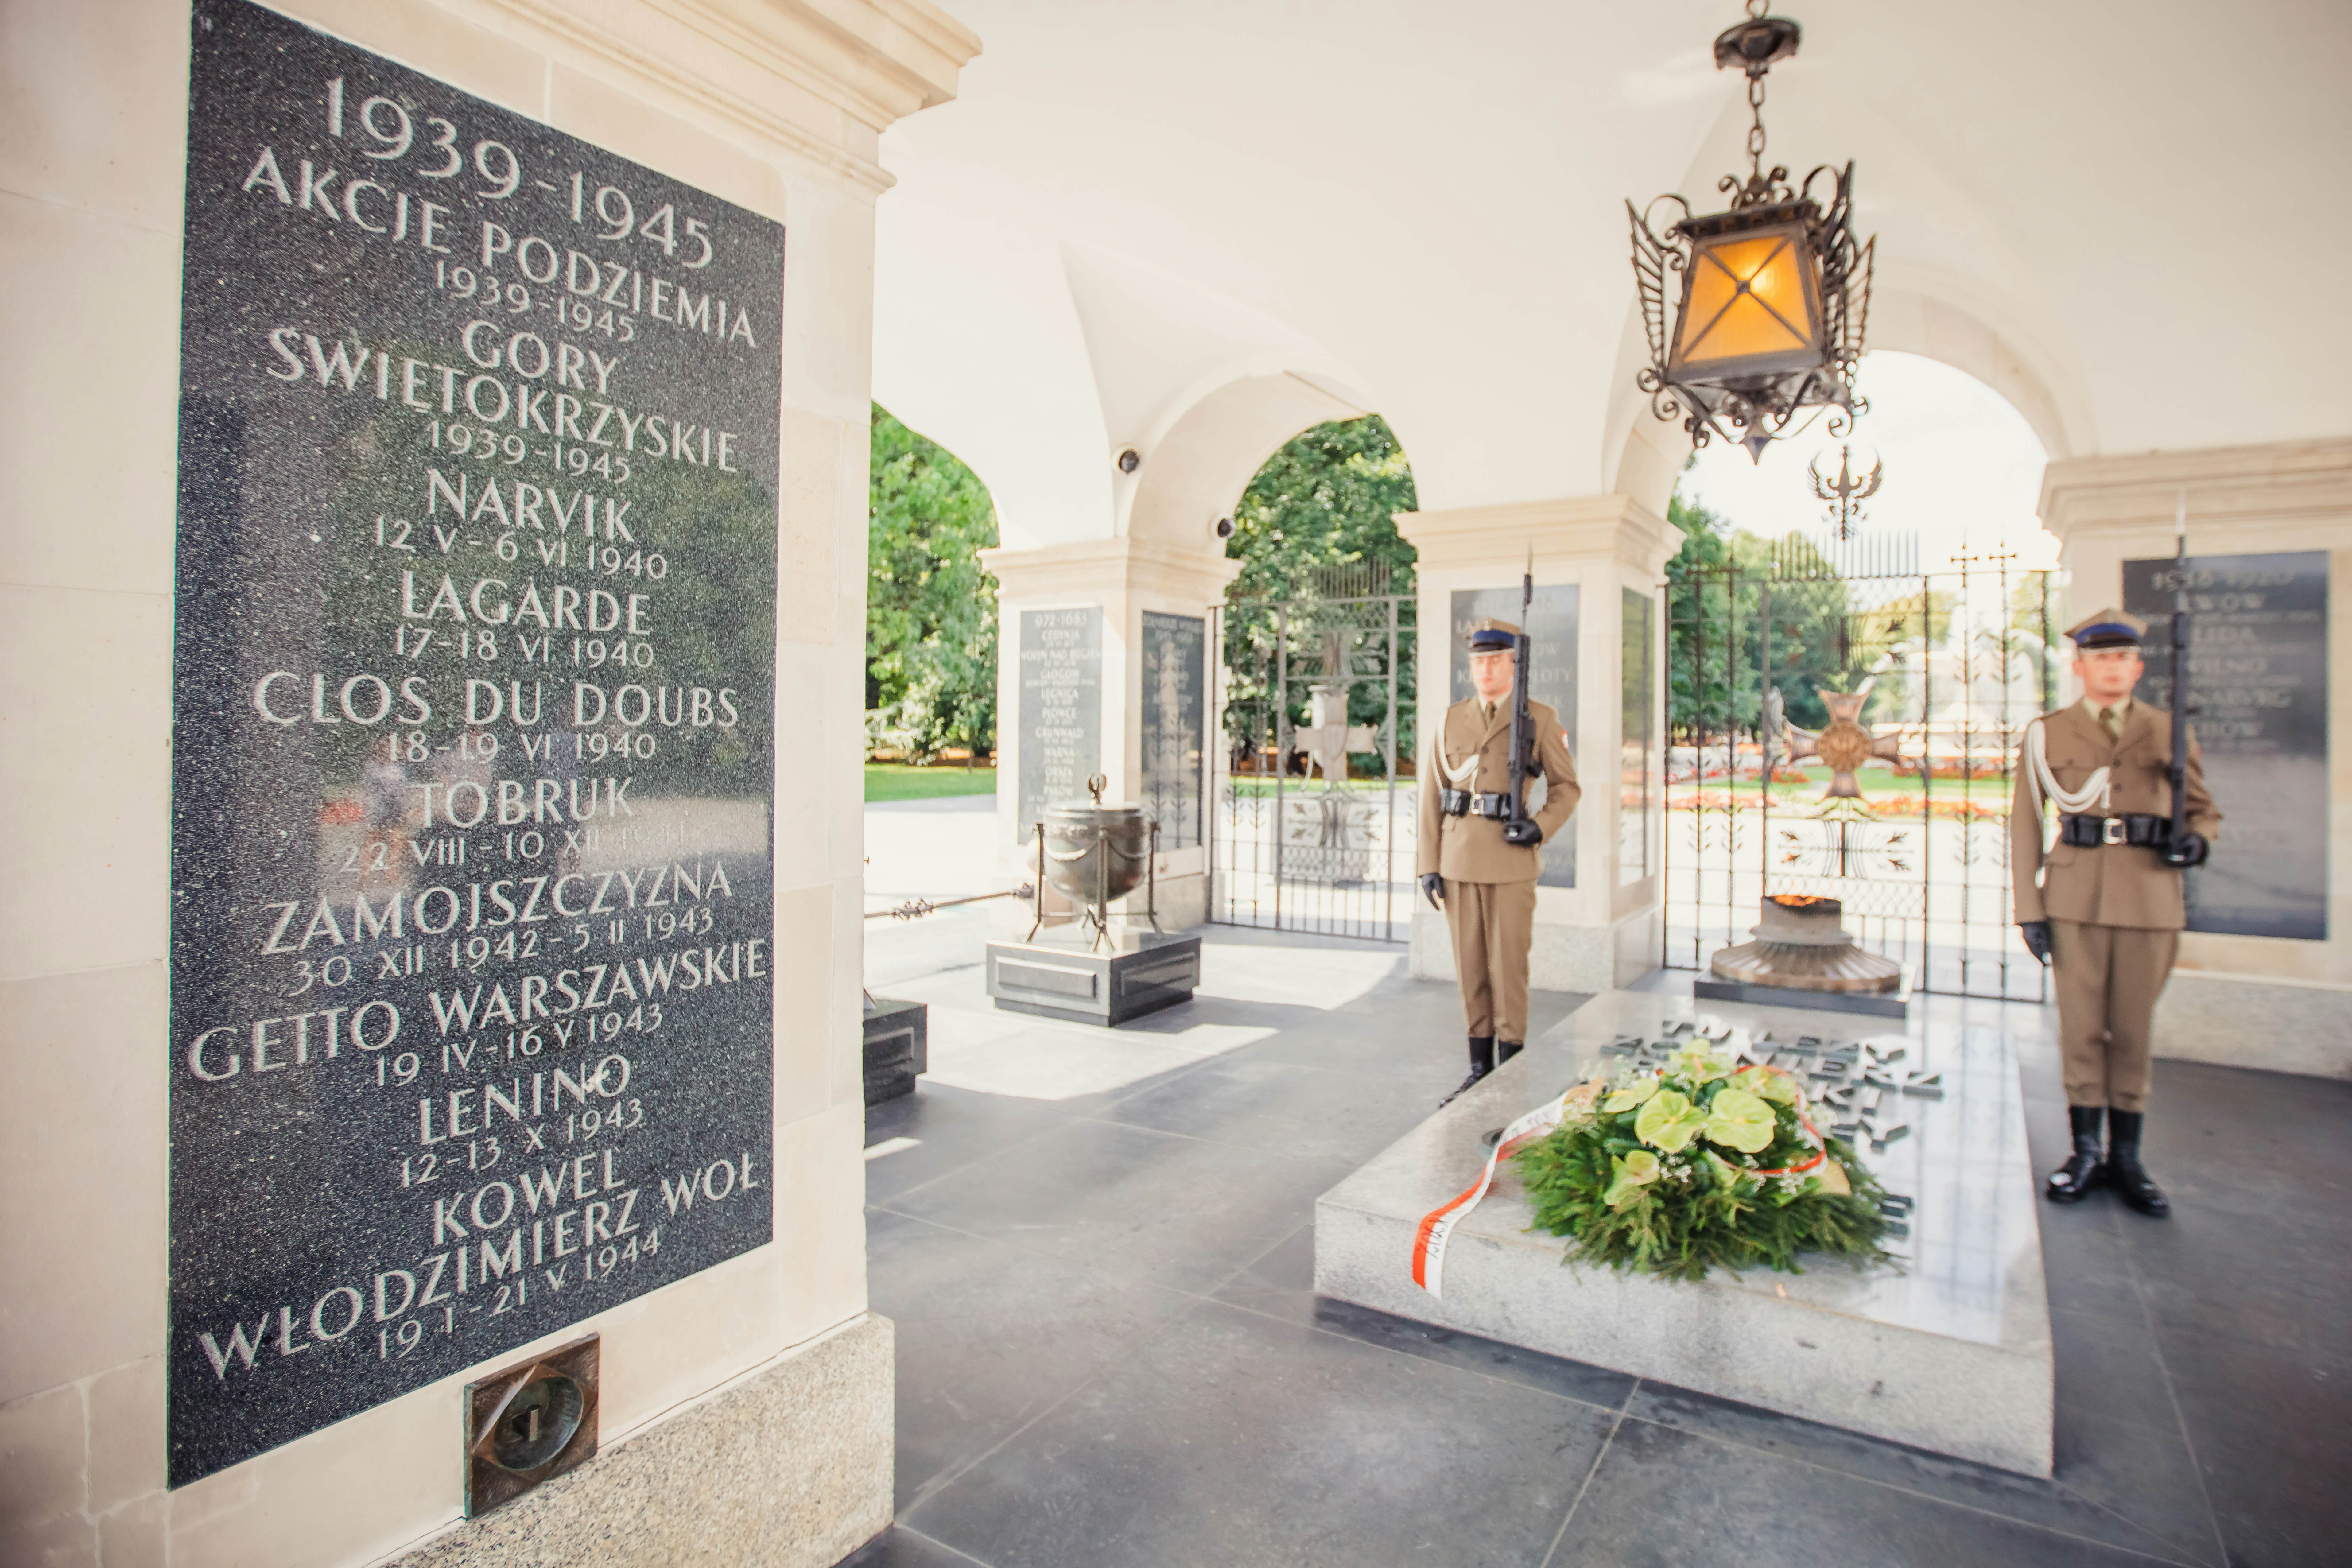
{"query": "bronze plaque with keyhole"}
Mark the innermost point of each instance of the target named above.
(530, 1423)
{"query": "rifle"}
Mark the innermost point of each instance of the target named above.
(2179, 694)
(1523, 730)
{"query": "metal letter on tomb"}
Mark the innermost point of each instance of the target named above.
(1061, 709)
(2258, 707)
(1173, 709)
(1551, 680)
(472, 735)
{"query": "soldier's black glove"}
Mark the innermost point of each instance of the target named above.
(1522, 832)
(2037, 939)
(2189, 850)
(1432, 887)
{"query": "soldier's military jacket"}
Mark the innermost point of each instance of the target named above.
(1471, 848)
(2107, 884)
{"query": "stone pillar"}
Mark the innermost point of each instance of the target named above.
(2281, 1003)
(1130, 611)
(746, 1409)
(1603, 930)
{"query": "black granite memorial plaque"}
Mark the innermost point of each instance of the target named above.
(1550, 624)
(1174, 710)
(2258, 701)
(1638, 769)
(1061, 710)
(472, 735)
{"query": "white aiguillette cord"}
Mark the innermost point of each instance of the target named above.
(1453, 774)
(2072, 802)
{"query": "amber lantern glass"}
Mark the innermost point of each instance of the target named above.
(1751, 303)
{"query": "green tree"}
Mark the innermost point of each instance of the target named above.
(931, 609)
(1327, 499)
(1752, 613)
(1711, 597)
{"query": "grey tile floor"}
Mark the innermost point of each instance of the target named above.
(1110, 1350)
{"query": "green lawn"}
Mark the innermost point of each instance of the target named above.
(897, 781)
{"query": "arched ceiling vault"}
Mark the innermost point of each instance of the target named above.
(1418, 208)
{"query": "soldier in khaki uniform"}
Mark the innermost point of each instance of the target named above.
(2106, 910)
(1476, 866)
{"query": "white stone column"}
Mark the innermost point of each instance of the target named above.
(1125, 579)
(2244, 1001)
(778, 111)
(1605, 931)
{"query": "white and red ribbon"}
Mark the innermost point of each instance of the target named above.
(1430, 1236)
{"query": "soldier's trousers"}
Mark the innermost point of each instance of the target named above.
(1493, 923)
(2108, 978)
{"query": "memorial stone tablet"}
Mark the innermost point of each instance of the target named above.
(472, 735)
(1638, 773)
(1550, 623)
(2258, 702)
(1061, 710)
(1173, 712)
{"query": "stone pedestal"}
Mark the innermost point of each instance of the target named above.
(1063, 977)
(2243, 1001)
(1803, 957)
(897, 1047)
(1951, 1353)
(1596, 926)
(1143, 721)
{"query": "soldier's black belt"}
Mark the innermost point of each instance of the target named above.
(1454, 802)
(1497, 805)
(2138, 827)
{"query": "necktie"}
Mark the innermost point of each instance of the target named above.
(2112, 722)
(1486, 711)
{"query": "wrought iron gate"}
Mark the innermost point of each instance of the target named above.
(1843, 724)
(1313, 824)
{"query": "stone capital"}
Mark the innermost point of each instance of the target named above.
(2282, 485)
(817, 79)
(1092, 568)
(1613, 527)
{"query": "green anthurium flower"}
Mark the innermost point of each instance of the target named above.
(1631, 1095)
(1629, 1175)
(1766, 1084)
(1699, 1065)
(1727, 1175)
(1741, 1121)
(1669, 1121)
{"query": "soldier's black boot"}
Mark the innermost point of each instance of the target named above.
(2084, 1169)
(1505, 1049)
(1482, 1062)
(2131, 1178)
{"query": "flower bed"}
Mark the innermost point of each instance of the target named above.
(1696, 1166)
(1883, 805)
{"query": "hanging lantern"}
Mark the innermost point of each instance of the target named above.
(1774, 292)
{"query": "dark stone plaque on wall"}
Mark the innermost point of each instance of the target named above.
(2258, 701)
(1061, 709)
(472, 735)
(1174, 705)
(1638, 742)
(1550, 624)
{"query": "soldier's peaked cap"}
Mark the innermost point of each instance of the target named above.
(1492, 636)
(2108, 627)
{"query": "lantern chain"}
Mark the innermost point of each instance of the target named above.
(1756, 128)
(1756, 70)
